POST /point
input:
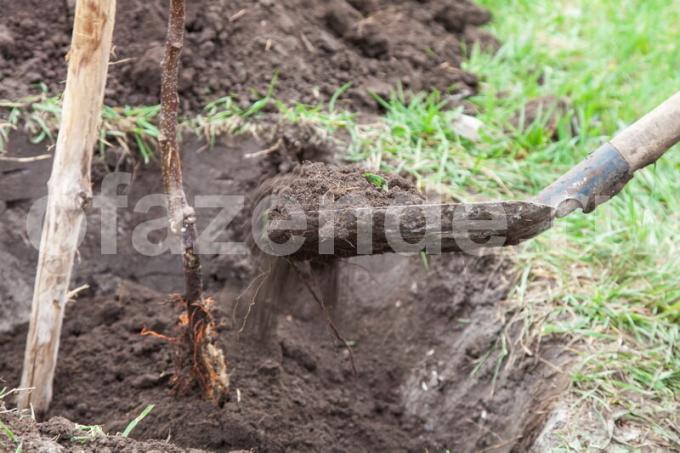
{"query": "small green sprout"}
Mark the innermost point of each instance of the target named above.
(377, 180)
(133, 424)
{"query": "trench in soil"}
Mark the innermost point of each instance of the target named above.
(427, 341)
(418, 335)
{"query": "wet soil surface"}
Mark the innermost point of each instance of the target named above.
(426, 339)
(237, 46)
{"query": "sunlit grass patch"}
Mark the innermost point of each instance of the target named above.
(614, 275)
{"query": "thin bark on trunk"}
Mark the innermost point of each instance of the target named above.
(69, 194)
(207, 360)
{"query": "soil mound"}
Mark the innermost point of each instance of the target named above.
(310, 183)
(237, 46)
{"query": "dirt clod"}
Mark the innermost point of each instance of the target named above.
(6, 41)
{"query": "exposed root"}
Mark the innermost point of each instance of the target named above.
(253, 301)
(319, 300)
(237, 302)
(146, 332)
(209, 367)
(197, 357)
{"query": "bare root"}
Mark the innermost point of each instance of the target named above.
(322, 305)
(197, 356)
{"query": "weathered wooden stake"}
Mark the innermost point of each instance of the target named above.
(69, 194)
(207, 360)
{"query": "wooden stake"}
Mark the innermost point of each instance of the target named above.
(207, 360)
(69, 194)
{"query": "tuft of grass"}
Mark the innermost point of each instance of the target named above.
(129, 128)
(5, 430)
(136, 124)
(38, 116)
(89, 433)
(9, 433)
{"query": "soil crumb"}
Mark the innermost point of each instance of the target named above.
(237, 47)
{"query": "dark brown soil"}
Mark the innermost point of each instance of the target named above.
(425, 337)
(426, 340)
(416, 338)
(60, 435)
(312, 182)
(315, 186)
(237, 46)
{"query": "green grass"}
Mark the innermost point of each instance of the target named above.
(615, 274)
(86, 433)
(38, 116)
(91, 432)
(9, 440)
(127, 129)
(133, 424)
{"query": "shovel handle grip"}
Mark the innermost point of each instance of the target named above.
(643, 142)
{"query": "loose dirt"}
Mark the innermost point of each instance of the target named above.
(237, 46)
(426, 339)
(59, 435)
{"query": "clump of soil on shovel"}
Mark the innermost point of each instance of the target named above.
(314, 187)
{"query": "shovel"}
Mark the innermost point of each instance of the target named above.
(456, 227)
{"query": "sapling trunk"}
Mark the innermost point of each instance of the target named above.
(69, 193)
(207, 361)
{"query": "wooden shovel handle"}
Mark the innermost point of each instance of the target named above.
(643, 142)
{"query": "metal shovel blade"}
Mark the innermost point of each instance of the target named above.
(434, 228)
